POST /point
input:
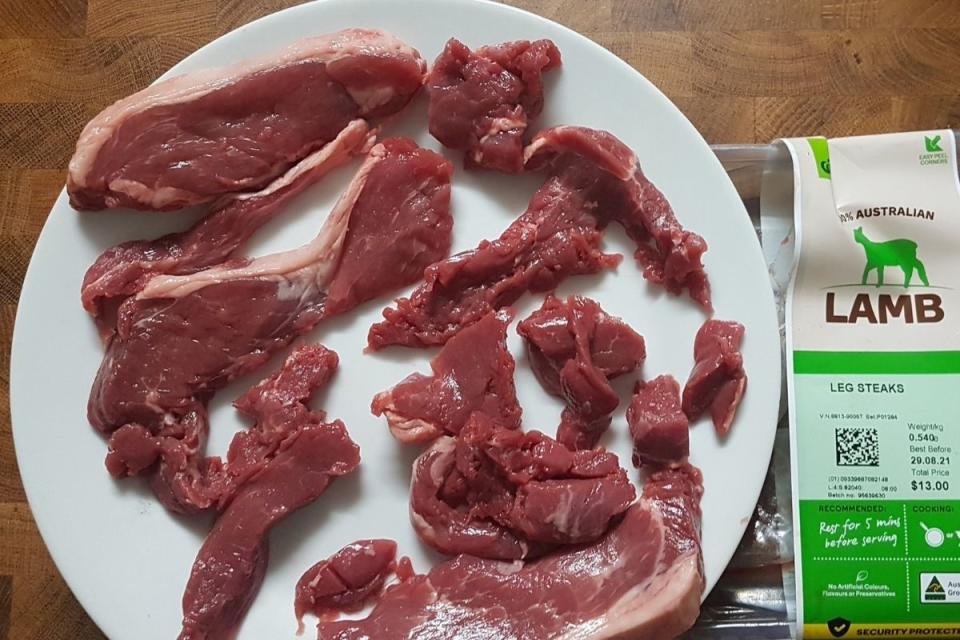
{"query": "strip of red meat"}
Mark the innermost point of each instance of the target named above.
(558, 236)
(499, 493)
(482, 101)
(717, 381)
(124, 269)
(473, 372)
(183, 337)
(642, 580)
(345, 581)
(195, 137)
(669, 254)
(659, 429)
(574, 349)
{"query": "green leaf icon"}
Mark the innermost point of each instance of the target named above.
(932, 144)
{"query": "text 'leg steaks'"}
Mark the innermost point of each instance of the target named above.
(195, 137)
(669, 254)
(717, 381)
(233, 559)
(124, 269)
(642, 581)
(473, 372)
(482, 101)
(183, 337)
(345, 581)
(574, 349)
(502, 494)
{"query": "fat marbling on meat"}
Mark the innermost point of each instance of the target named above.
(482, 101)
(642, 580)
(717, 381)
(124, 269)
(230, 565)
(503, 494)
(574, 348)
(197, 136)
(593, 179)
(180, 338)
(473, 372)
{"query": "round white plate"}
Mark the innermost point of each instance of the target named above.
(127, 559)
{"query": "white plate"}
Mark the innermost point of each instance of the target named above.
(127, 559)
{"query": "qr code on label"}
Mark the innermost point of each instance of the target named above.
(857, 447)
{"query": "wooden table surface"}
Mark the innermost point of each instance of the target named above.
(742, 70)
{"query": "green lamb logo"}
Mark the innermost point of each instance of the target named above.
(932, 144)
(892, 253)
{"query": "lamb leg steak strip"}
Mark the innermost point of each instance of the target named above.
(124, 269)
(195, 137)
(669, 254)
(482, 101)
(233, 559)
(574, 348)
(717, 381)
(502, 494)
(473, 372)
(558, 236)
(183, 337)
(642, 580)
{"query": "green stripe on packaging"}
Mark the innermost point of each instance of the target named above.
(878, 362)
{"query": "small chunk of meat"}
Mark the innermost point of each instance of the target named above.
(346, 580)
(483, 101)
(195, 137)
(123, 270)
(669, 254)
(642, 580)
(503, 494)
(575, 348)
(717, 381)
(558, 236)
(473, 372)
(658, 427)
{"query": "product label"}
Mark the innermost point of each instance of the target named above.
(873, 360)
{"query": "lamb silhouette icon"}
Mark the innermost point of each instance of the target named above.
(892, 253)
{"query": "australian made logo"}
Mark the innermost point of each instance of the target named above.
(884, 308)
(933, 151)
(934, 591)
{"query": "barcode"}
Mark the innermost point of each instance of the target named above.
(857, 447)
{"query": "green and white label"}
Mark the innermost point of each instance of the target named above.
(874, 386)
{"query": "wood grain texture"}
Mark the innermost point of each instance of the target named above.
(742, 70)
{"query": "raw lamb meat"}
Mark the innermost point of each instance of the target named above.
(124, 269)
(183, 337)
(642, 581)
(574, 349)
(669, 254)
(502, 494)
(558, 236)
(473, 372)
(233, 559)
(717, 381)
(346, 580)
(659, 429)
(195, 137)
(482, 101)
(593, 180)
